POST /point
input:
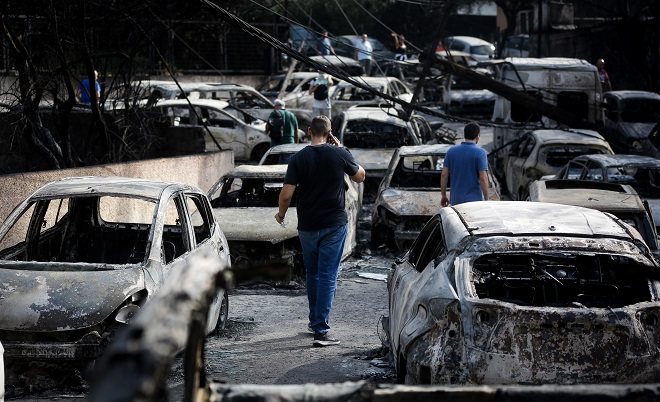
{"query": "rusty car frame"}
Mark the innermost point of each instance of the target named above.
(515, 292)
(245, 201)
(409, 194)
(82, 255)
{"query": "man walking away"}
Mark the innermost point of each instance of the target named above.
(320, 87)
(282, 125)
(318, 172)
(324, 46)
(468, 166)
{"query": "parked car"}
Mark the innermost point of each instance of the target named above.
(82, 255)
(345, 45)
(478, 48)
(628, 119)
(640, 172)
(409, 194)
(230, 128)
(245, 202)
(347, 65)
(346, 94)
(462, 96)
(372, 135)
(516, 46)
(543, 152)
(620, 200)
(517, 292)
(281, 154)
(296, 93)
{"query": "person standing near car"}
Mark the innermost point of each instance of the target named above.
(363, 54)
(320, 87)
(467, 164)
(604, 77)
(317, 171)
(282, 125)
(324, 46)
(83, 93)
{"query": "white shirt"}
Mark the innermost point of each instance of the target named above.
(364, 50)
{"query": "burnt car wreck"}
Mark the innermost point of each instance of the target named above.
(525, 293)
(81, 256)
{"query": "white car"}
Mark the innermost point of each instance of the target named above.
(230, 128)
(478, 48)
(296, 93)
(346, 94)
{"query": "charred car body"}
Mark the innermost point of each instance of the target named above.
(525, 293)
(409, 194)
(628, 118)
(81, 256)
(245, 202)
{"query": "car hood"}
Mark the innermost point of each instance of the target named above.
(32, 299)
(411, 203)
(628, 131)
(256, 224)
(373, 159)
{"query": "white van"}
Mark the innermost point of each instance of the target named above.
(569, 84)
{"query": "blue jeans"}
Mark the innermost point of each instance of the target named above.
(322, 251)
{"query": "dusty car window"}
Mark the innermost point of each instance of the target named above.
(126, 210)
(640, 111)
(199, 215)
(175, 241)
(370, 134)
(418, 171)
(17, 232)
(253, 192)
(428, 245)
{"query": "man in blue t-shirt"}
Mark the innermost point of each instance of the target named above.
(468, 165)
(83, 92)
(318, 172)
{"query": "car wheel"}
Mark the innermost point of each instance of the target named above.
(223, 316)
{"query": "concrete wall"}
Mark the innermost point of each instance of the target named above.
(201, 170)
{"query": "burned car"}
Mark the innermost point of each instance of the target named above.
(281, 154)
(517, 292)
(621, 200)
(81, 256)
(245, 202)
(641, 172)
(628, 118)
(409, 194)
(544, 152)
(373, 134)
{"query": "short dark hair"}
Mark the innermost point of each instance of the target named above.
(320, 126)
(471, 131)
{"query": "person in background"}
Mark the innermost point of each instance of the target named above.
(604, 77)
(320, 87)
(363, 53)
(468, 166)
(324, 46)
(83, 91)
(282, 125)
(400, 48)
(317, 171)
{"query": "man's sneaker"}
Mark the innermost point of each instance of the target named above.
(309, 327)
(324, 340)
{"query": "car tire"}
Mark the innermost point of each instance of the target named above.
(223, 316)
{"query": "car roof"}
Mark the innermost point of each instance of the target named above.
(372, 113)
(287, 148)
(470, 40)
(108, 185)
(609, 197)
(431, 149)
(556, 63)
(521, 218)
(261, 171)
(216, 103)
(622, 160)
(630, 94)
(560, 136)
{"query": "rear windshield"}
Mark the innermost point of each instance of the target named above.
(560, 156)
(372, 134)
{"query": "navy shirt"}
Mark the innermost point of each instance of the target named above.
(464, 162)
(318, 171)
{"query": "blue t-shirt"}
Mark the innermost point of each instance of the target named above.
(318, 171)
(85, 97)
(464, 162)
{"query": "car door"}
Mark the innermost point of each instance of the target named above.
(407, 279)
(227, 131)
